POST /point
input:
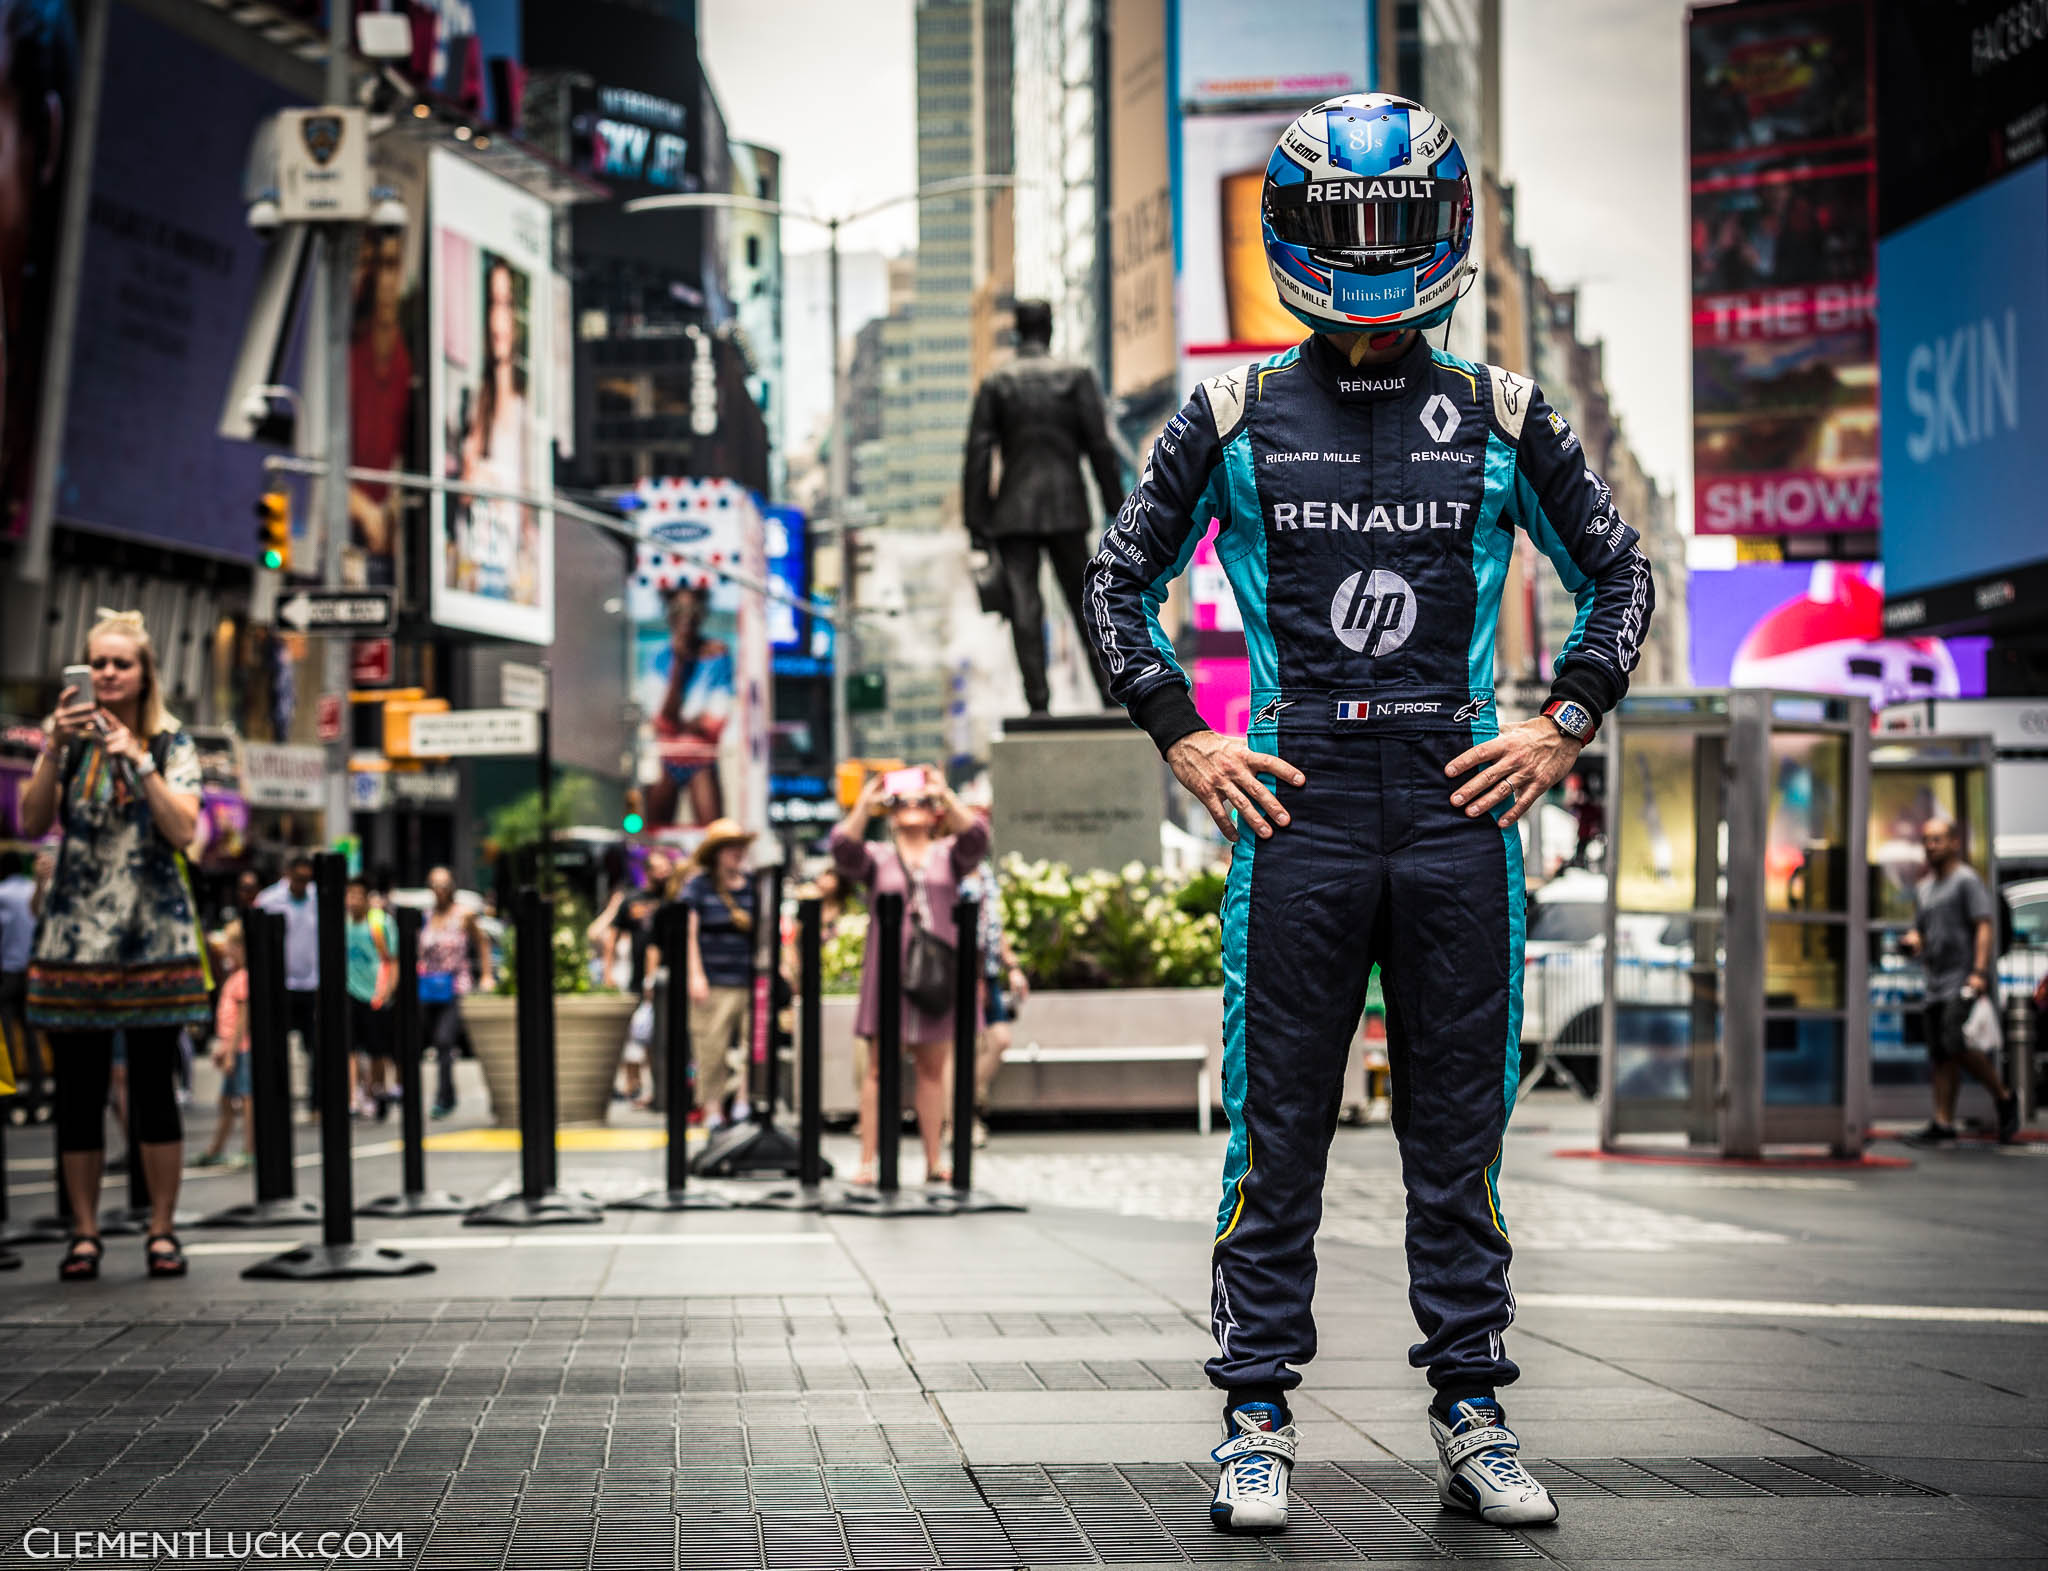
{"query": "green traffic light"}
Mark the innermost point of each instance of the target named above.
(634, 823)
(273, 558)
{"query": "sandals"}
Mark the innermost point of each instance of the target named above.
(81, 1262)
(165, 1262)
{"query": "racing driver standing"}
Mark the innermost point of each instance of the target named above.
(1366, 488)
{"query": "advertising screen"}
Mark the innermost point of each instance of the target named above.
(1232, 53)
(1785, 411)
(1226, 292)
(1966, 402)
(700, 654)
(1974, 77)
(1818, 627)
(1141, 187)
(168, 270)
(36, 115)
(491, 563)
(789, 572)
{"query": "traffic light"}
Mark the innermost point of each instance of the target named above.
(274, 531)
(632, 823)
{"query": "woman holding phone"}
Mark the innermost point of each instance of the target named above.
(934, 844)
(119, 948)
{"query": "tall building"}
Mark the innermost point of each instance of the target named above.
(1061, 141)
(925, 628)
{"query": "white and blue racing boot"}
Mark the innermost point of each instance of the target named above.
(1257, 1455)
(1477, 1469)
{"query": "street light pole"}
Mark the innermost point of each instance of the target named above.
(337, 258)
(846, 635)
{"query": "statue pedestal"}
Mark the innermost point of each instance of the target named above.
(1087, 790)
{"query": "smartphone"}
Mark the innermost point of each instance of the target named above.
(79, 679)
(904, 782)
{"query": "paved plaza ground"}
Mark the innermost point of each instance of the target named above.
(1728, 1367)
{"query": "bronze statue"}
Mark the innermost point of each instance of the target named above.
(1044, 416)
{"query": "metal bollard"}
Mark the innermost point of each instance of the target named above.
(885, 940)
(414, 1198)
(966, 1023)
(337, 1255)
(269, 1113)
(810, 1120)
(671, 936)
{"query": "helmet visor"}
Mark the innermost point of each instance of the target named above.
(1367, 215)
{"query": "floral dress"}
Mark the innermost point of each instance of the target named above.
(119, 941)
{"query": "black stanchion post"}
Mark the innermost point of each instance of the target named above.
(277, 1199)
(337, 1254)
(44, 1230)
(810, 1029)
(757, 1147)
(539, 1202)
(966, 1012)
(415, 1199)
(767, 971)
(671, 937)
(966, 1023)
(885, 939)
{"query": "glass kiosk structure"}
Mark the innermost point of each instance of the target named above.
(1913, 779)
(1739, 817)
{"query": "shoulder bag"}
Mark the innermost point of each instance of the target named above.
(930, 964)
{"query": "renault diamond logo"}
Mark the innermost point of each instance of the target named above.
(1440, 418)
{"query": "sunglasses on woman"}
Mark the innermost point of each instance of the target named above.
(926, 802)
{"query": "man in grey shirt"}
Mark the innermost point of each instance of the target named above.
(1953, 933)
(291, 897)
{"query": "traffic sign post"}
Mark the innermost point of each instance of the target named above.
(476, 733)
(360, 613)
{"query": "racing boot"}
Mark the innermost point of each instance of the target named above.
(1477, 1469)
(1257, 1455)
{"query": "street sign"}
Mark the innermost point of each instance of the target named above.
(358, 611)
(417, 786)
(283, 775)
(476, 733)
(369, 662)
(369, 791)
(330, 717)
(522, 686)
(323, 165)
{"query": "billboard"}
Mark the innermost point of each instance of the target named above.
(1227, 301)
(1966, 433)
(490, 564)
(789, 574)
(39, 110)
(1783, 194)
(700, 654)
(1232, 53)
(1818, 627)
(1141, 190)
(167, 273)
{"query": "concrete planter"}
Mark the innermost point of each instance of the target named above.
(1150, 1017)
(590, 1033)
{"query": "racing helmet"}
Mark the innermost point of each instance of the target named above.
(1368, 216)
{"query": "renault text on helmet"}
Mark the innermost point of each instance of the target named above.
(1368, 216)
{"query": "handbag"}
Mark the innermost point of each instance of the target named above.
(1981, 1027)
(930, 964)
(640, 1028)
(437, 987)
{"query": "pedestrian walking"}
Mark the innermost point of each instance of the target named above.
(455, 958)
(1004, 990)
(1368, 487)
(718, 967)
(934, 843)
(230, 1049)
(372, 974)
(292, 898)
(119, 949)
(1953, 933)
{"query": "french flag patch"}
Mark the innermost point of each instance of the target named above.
(1354, 709)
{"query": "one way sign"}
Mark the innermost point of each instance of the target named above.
(357, 612)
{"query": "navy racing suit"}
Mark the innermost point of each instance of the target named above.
(1365, 520)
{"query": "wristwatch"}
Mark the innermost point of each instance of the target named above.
(1573, 718)
(144, 767)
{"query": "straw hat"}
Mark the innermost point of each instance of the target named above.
(719, 833)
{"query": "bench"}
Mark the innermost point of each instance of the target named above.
(1195, 1053)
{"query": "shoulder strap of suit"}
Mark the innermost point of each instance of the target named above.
(1511, 396)
(1227, 395)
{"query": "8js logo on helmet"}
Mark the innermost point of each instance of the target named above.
(1373, 612)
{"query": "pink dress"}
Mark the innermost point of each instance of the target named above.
(877, 868)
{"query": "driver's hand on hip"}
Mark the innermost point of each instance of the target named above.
(1222, 773)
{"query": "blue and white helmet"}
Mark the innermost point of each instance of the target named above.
(1368, 216)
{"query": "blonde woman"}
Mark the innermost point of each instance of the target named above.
(119, 946)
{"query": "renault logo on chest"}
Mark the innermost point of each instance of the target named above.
(1440, 418)
(1373, 612)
